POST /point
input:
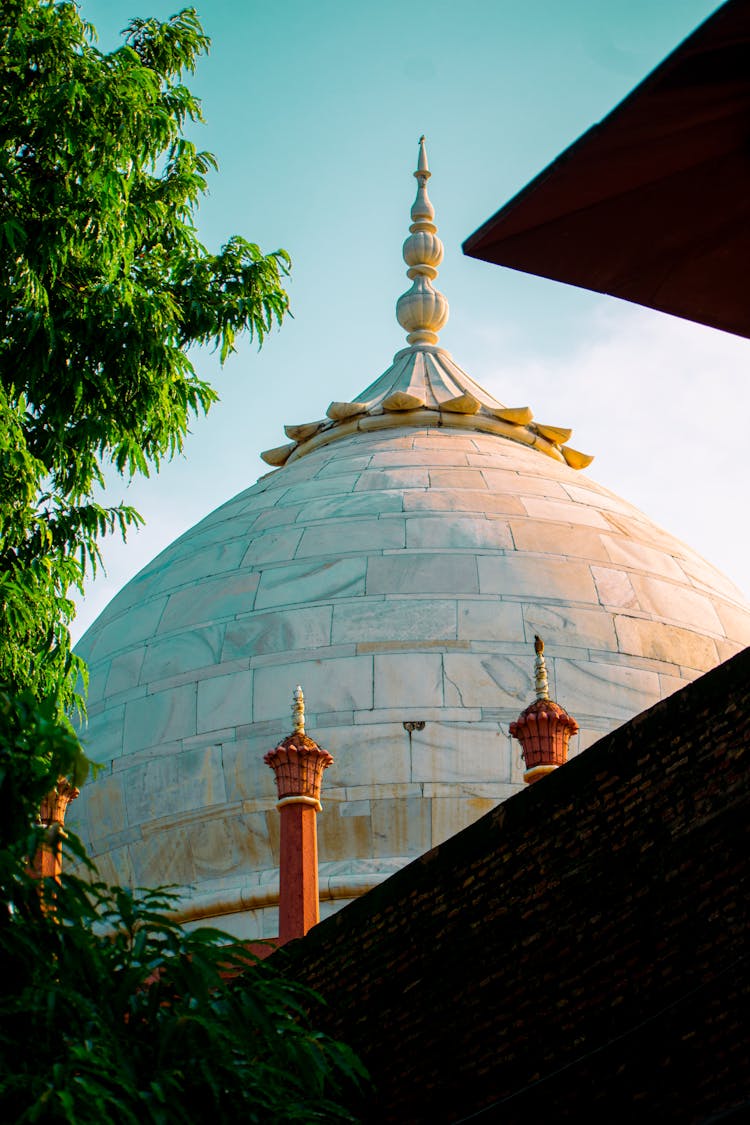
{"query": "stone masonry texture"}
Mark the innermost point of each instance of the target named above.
(398, 576)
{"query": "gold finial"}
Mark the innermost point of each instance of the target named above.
(540, 670)
(298, 711)
(422, 311)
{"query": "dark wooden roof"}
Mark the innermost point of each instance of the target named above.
(579, 953)
(653, 203)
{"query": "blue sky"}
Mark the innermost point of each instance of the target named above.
(314, 110)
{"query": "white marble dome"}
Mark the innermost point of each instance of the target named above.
(399, 576)
(397, 565)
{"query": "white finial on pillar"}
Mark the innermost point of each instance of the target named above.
(298, 711)
(541, 682)
(422, 311)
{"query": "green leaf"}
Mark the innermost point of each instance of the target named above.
(105, 289)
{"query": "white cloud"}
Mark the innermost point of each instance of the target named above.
(662, 403)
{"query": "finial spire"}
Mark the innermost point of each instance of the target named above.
(541, 682)
(298, 711)
(422, 166)
(422, 310)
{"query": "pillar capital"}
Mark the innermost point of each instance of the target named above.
(47, 862)
(544, 727)
(298, 763)
(55, 805)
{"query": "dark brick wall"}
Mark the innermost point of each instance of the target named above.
(578, 953)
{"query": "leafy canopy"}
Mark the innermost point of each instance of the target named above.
(112, 1012)
(34, 749)
(109, 1011)
(104, 288)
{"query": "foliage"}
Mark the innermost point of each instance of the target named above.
(109, 1011)
(104, 288)
(35, 748)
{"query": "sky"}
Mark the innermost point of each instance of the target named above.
(314, 109)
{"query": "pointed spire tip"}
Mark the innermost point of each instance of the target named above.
(423, 168)
(423, 310)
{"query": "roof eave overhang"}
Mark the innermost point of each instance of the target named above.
(652, 204)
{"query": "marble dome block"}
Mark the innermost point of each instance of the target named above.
(400, 577)
(398, 566)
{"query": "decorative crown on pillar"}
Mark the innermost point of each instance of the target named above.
(298, 762)
(544, 728)
(55, 805)
(47, 861)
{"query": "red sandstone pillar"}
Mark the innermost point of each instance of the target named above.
(298, 763)
(47, 861)
(544, 728)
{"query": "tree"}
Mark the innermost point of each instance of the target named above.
(113, 1013)
(104, 288)
(109, 1011)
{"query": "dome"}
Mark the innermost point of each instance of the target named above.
(397, 563)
